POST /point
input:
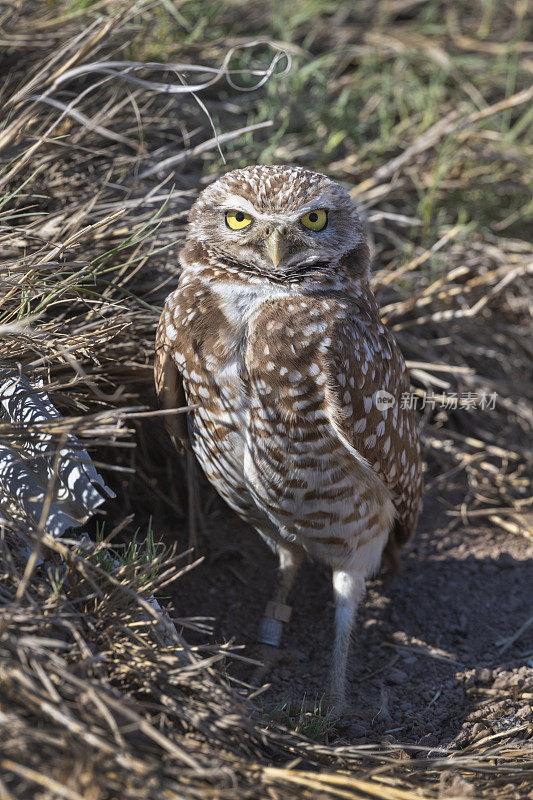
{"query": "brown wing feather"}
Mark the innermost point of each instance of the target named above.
(368, 360)
(169, 385)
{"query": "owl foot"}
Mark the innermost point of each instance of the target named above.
(272, 657)
(337, 708)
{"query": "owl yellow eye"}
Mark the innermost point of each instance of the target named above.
(315, 220)
(237, 220)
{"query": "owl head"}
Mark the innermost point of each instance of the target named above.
(279, 222)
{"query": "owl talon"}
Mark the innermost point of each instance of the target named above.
(337, 707)
(272, 657)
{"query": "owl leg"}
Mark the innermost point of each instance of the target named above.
(348, 589)
(290, 559)
(277, 612)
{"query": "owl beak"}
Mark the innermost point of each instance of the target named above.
(275, 246)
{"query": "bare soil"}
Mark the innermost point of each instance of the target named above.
(425, 665)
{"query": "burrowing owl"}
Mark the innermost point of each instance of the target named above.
(274, 332)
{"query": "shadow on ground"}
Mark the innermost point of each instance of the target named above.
(425, 650)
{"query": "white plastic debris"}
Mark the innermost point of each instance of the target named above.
(27, 461)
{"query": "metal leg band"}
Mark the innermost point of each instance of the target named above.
(270, 631)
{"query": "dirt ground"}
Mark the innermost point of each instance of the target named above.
(425, 665)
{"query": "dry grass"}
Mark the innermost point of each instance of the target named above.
(99, 166)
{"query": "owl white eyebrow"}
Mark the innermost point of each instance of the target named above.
(235, 202)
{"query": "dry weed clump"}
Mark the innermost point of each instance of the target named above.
(101, 156)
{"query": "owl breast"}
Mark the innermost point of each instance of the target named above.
(253, 357)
